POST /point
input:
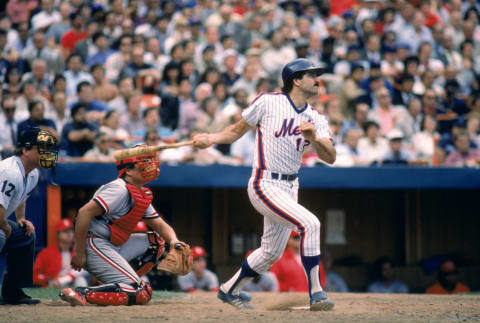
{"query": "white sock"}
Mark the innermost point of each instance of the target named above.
(315, 280)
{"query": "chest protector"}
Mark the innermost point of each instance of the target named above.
(122, 228)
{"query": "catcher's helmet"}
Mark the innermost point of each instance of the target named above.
(300, 65)
(148, 164)
(46, 145)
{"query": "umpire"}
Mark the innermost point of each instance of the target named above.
(18, 177)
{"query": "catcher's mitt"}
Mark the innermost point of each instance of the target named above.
(178, 260)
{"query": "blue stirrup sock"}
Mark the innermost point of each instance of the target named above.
(241, 277)
(311, 264)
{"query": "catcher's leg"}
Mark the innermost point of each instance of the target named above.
(109, 294)
(143, 251)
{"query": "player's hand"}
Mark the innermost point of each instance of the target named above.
(27, 226)
(202, 141)
(7, 229)
(308, 130)
(79, 260)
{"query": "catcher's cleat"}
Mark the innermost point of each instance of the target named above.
(320, 302)
(73, 297)
(236, 301)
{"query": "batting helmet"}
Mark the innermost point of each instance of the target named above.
(300, 65)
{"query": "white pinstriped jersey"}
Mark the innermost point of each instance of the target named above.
(279, 142)
(115, 200)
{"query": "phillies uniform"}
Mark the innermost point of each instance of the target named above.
(273, 187)
(106, 261)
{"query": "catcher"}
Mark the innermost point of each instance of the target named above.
(106, 223)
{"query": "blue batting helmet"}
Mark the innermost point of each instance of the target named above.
(300, 65)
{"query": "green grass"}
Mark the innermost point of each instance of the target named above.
(52, 293)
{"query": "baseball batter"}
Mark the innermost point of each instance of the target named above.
(104, 228)
(18, 178)
(285, 125)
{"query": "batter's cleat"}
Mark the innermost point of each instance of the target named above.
(73, 297)
(320, 302)
(245, 296)
(237, 301)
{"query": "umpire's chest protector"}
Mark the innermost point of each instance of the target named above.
(122, 228)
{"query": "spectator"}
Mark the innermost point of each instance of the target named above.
(8, 123)
(29, 95)
(137, 67)
(404, 94)
(101, 151)
(397, 154)
(85, 96)
(347, 152)
(78, 136)
(102, 89)
(151, 119)
(277, 55)
(40, 78)
(12, 84)
(447, 282)
(424, 142)
(116, 61)
(463, 155)
(111, 127)
(200, 278)
(132, 120)
(385, 113)
(248, 81)
(210, 118)
(37, 119)
(75, 75)
(45, 18)
(385, 283)
(60, 113)
(125, 90)
(38, 49)
(58, 29)
(100, 40)
(289, 270)
(230, 63)
(359, 118)
(372, 147)
(351, 90)
(74, 35)
(408, 120)
(52, 265)
(451, 107)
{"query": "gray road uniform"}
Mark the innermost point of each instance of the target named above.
(106, 261)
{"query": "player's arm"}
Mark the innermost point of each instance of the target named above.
(4, 226)
(82, 223)
(226, 136)
(162, 228)
(24, 223)
(323, 146)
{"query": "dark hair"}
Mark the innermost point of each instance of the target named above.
(72, 56)
(370, 123)
(147, 111)
(465, 42)
(109, 114)
(96, 66)
(203, 104)
(81, 85)
(97, 35)
(76, 107)
(6, 97)
(467, 13)
(32, 105)
(58, 77)
(150, 131)
(288, 85)
(422, 124)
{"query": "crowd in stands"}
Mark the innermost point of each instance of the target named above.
(402, 83)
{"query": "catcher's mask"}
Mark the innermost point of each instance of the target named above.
(46, 145)
(148, 164)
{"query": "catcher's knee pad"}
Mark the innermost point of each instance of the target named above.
(155, 252)
(119, 294)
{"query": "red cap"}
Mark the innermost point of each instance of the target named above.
(140, 227)
(448, 267)
(198, 252)
(63, 225)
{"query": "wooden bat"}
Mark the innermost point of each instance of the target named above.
(145, 150)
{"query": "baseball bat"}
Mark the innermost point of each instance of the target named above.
(145, 150)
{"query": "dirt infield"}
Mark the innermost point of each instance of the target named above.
(204, 307)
